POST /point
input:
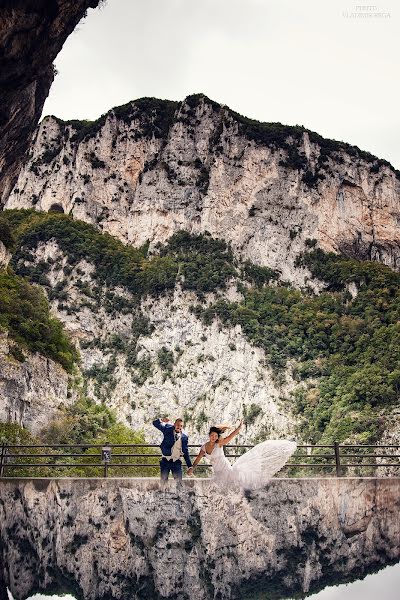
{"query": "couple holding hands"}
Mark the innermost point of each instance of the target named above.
(250, 471)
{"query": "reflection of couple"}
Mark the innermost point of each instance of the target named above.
(250, 471)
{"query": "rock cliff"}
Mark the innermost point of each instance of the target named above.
(191, 330)
(32, 32)
(31, 391)
(4, 256)
(154, 359)
(125, 539)
(151, 167)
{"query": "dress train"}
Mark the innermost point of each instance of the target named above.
(253, 469)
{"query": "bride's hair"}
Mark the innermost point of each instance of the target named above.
(217, 430)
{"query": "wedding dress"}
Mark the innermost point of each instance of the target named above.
(253, 469)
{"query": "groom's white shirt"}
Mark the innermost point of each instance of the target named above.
(176, 450)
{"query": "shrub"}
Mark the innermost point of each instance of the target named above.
(205, 264)
(201, 420)
(259, 275)
(24, 312)
(251, 413)
(14, 434)
(6, 235)
(165, 360)
(95, 162)
(82, 423)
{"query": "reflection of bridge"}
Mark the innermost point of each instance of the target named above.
(141, 459)
(125, 538)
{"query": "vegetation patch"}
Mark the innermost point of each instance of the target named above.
(24, 313)
(166, 361)
(200, 262)
(205, 264)
(85, 422)
(345, 350)
(6, 236)
(95, 162)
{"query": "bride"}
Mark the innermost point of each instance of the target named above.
(253, 469)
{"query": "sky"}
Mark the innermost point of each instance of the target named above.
(331, 66)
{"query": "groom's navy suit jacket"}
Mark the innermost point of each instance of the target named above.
(169, 440)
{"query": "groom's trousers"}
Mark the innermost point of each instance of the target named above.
(167, 466)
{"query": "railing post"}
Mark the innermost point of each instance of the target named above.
(337, 459)
(106, 456)
(2, 456)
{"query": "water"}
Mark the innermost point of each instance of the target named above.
(384, 585)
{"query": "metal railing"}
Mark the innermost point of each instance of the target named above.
(44, 459)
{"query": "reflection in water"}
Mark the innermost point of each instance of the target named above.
(125, 539)
(384, 585)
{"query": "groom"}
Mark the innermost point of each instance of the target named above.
(173, 446)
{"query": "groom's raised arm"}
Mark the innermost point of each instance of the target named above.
(159, 424)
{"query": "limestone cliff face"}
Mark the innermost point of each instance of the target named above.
(205, 374)
(5, 256)
(32, 32)
(31, 391)
(125, 539)
(150, 168)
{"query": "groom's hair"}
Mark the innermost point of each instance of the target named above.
(178, 420)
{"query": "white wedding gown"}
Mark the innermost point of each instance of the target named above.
(253, 469)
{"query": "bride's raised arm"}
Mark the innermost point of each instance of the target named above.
(228, 438)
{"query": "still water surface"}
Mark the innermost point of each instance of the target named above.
(384, 585)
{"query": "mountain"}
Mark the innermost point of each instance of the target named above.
(143, 350)
(150, 168)
(213, 267)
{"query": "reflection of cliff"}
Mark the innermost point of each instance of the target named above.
(125, 539)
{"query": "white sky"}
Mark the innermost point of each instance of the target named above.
(317, 63)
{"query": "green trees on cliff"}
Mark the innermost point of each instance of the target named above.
(84, 422)
(344, 351)
(24, 313)
(199, 262)
(341, 346)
